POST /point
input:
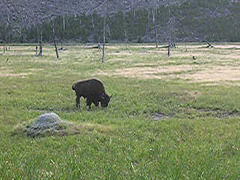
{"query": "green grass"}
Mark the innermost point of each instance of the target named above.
(198, 139)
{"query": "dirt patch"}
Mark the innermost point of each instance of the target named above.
(144, 64)
(231, 46)
(121, 53)
(214, 74)
(3, 68)
(218, 113)
(189, 55)
(193, 73)
(193, 94)
(4, 72)
(159, 117)
(35, 69)
(150, 72)
(23, 75)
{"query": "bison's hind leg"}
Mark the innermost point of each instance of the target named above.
(78, 103)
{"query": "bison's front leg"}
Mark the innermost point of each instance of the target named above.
(96, 103)
(89, 102)
(78, 102)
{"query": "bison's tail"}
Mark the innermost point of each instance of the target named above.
(73, 87)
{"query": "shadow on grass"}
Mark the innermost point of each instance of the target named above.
(219, 113)
(65, 109)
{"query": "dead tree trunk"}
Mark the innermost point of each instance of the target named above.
(170, 31)
(54, 40)
(169, 49)
(148, 24)
(104, 30)
(104, 38)
(4, 48)
(36, 50)
(125, 30)
(155, 27)
(40, 45)
(56, 49)
(63, 23)
(92, 18)
(209, 45)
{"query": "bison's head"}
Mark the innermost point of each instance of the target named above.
(105, 100)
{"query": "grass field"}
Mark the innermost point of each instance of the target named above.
(169, 118)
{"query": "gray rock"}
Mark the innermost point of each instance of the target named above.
(46, 123)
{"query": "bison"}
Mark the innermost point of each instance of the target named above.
(93, 90)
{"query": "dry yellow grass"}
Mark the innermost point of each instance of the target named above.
(217, 65)
(9, 73)
(214, 74)
(158, 72)
(198, 73)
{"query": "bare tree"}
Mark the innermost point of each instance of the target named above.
(104, 38)
(133, 8)
(92, 19)
(40, 45)
(63, 23)
(104, 29)
(155, 26)
(169, 50)
(39, 37)
(170, 32)
(54, 39)
(125, 29)
(209, 45)
(148, 22)
(36, 50)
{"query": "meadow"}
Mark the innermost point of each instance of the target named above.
(174, 117)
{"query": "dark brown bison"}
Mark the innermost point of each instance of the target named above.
(93, 90)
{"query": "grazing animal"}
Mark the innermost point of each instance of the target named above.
(93, 90)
